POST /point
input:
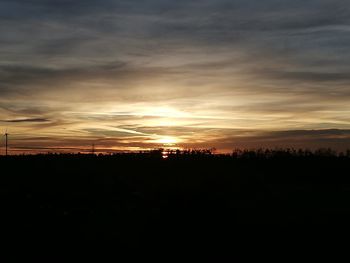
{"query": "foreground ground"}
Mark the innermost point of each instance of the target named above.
(142, 201)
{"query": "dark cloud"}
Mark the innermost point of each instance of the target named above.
(314, 133)
(26, 120)
(252, 27)
(312, 139)
(307, 76)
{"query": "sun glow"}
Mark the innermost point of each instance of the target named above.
(167, 112)
(169, 141)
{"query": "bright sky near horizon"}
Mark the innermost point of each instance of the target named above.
(132, 74)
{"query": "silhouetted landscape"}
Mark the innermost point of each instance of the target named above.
(137, 200)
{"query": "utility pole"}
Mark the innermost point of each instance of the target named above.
(6, 142)
(93, 149)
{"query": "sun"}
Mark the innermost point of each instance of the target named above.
(167, 140)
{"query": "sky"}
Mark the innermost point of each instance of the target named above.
(143, 74)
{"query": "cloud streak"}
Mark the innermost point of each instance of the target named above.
(25, 120)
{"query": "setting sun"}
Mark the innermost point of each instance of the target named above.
(167, 141)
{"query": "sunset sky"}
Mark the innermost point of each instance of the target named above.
(133, 74)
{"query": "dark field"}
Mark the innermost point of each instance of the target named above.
(188, 201)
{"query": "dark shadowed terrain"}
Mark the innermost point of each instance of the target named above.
(190, 201)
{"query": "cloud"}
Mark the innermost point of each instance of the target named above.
(307, 76)
(298, 139)
(88, 68)
(224, 142)
(26, 120)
